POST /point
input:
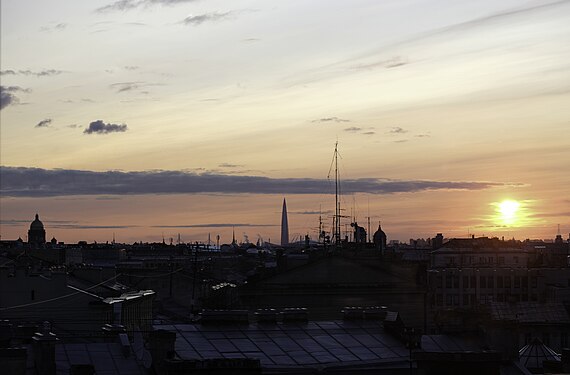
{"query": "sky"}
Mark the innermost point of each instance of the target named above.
(149, 119)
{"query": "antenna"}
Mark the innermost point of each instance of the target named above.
(558, 233)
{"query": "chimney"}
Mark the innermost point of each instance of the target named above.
(161, 348)
(43, 345)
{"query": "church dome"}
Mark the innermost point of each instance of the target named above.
(37, 224)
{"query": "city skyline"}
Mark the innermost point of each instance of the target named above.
(152, 118)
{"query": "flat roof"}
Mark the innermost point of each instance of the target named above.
(310, 344)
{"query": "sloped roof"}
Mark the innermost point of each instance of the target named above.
(532, 355)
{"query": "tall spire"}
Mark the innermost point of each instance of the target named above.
(284, 225)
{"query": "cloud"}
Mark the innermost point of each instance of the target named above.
(397, 130)
(369, 133)
(331, 119)
(36, 182)
(41, 73)
(216, 225)
(394, 62)
(229, 165)
(130, 67)
(309, 212)
(7, 96)
(352, 129)
(99, 127)
(206, 17)
(123, 5)
(58, 27)
(126, 86)
(422, 135)
(44, 123)
(130, 86)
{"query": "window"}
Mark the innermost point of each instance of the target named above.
(448, 281)
(465, 282)
(490, 260)
(448, 300)
(466, 300)
(524, 297)
(499, 281)
(33, 295)
(482, 282)
(455, 300)
(439, 299)
(517, 281)
(490, 282)
(527, 338)
(439, 282)
(473, 282)
(508, 282)
(516, 260)
(534, 282)
(500, 297)
(501, 260)
(563, 339)
(456, 281)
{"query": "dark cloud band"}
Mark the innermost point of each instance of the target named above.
(36, 182)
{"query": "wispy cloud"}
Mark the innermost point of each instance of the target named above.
(230, 165)
(353, 129)
(215, 225)
(331, 119)
(124, 5)
(44, 123)
(36, 182)
(131, 86)
(397, 130)
(8, 97)
(394, 62)
(126, 86)
(57, 27)
(41, 73)
(207, 17)
(99, 127)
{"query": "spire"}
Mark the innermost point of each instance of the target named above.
(37, 216)
(284, 225)
(233, 236)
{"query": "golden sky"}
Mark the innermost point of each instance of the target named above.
(143, 118)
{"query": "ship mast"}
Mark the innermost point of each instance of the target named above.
(337, 215)
(336, 200)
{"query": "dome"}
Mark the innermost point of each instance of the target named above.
(37, 224)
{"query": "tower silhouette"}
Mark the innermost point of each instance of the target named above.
(284, 225)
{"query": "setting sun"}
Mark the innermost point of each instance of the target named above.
(507, 212)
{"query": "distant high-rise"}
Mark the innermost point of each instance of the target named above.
(284, 225)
